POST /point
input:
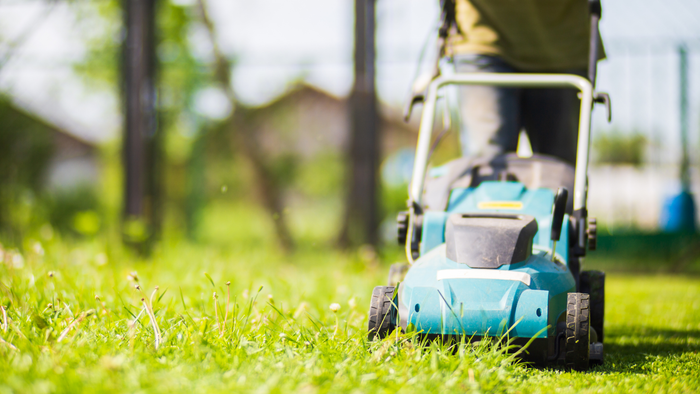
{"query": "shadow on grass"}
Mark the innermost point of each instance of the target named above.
(647, 350)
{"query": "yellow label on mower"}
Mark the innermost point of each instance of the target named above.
(500, 205)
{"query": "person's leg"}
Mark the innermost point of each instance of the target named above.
(489, 116)
(550, 117)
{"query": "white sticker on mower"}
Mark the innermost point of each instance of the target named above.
(484, 274)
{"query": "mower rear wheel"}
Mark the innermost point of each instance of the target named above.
(402, 227)
(382, 314)
(578, 334)
(397, 273)
(593, 283)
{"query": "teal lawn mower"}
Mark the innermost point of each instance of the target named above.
(495, 245)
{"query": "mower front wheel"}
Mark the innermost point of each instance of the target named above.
(382, 315)
(578, 333)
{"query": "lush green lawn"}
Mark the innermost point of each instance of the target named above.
(285, 338)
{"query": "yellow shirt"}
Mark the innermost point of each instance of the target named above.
(530, 35)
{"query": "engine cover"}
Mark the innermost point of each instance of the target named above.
(489, 240)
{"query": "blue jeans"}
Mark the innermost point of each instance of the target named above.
(492, 117)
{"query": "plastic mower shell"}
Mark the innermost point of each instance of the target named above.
(494, 245)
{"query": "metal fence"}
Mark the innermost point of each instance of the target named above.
(644, 79)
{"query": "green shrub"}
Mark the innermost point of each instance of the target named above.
(619, 148)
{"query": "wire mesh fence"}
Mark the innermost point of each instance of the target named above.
(637, 157)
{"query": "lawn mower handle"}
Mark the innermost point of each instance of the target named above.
(502, 80)
(507, 80)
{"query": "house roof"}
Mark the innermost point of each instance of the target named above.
(64, 138)
(303, 90)
(308, 120)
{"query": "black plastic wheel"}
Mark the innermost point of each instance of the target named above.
(402, 227)
(578, 335)
(592, 234)
(593, 283)
(381, 312)
(397, 272)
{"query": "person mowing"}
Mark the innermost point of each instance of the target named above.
(516, 36)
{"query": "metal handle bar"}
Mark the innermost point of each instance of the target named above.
(507, 80)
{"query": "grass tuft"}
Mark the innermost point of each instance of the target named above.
(74, 324)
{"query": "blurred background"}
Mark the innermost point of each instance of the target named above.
(232, 122)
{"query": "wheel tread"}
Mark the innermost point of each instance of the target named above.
(577, 331)
(380, 320)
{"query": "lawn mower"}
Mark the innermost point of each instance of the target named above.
(495, 244)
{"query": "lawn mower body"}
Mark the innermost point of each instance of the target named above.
(504, 281)
(494, 244)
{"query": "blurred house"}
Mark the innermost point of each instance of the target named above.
(38, 154)
(310, 121)
(74, 161)
(289, 155)
(294, 144)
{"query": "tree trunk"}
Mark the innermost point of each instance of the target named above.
(361, 215)
(140, 145)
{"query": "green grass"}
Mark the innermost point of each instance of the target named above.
(285, 338)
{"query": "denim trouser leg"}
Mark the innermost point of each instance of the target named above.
(490, 116)
(550, 117)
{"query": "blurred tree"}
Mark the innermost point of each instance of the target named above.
(242, 126)
(189, 136)
(239, 152)
(362, 217)
(180, 77)
(141, 141)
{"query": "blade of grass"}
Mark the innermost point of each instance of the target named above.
(210, 280)
(161, 296)
(245, 324)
